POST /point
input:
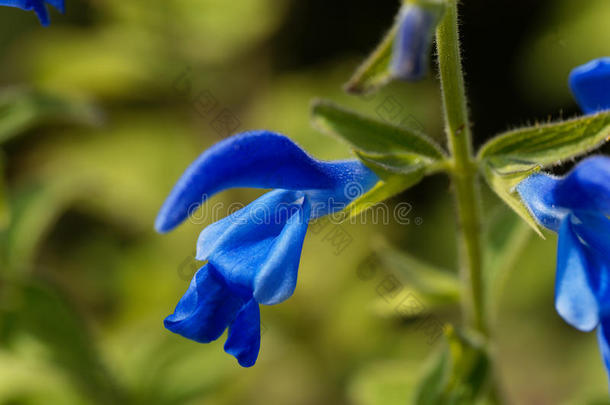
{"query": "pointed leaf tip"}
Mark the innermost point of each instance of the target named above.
(369, 135)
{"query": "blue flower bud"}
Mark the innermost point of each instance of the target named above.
(417, 23)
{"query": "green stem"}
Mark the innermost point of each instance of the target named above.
(464, 169)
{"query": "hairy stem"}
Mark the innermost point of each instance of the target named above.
(463, 170)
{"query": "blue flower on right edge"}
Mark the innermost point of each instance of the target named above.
(577, 207)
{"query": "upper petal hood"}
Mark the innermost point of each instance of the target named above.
(351, 180)
(22, 4)
(258, 159)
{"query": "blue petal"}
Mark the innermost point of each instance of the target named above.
(206, 309)
(351, 180)
(259, 246)
(594, 232)
(277, 277)
(38, 6)
(537, 194)
(412, 43)
(244, 338)
(575, 296)
(603, 339)
(22, 4)
(41, 11)
(259, 159)
(590, 85)
(586, 187)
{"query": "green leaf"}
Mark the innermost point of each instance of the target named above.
(434, 379)
(429, 289)
(22, 109)
(506, 237)
(503, 184)
(434, 284)
(43, 312)
(383, 383)
(36, 208)
(461, 374)
(471, 371)
(384, 189)
(372, 136)
(385, 166)
(503, 233)
(546, 144)
(600, 400)
(27, 379)
(374, 72)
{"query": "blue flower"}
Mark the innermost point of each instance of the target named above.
(577, 207)
(252, 255)
(413, 41)
(38, 6)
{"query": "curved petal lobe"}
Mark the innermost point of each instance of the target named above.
(258, 159)
(277, 277)
(41, 11)
(249, 222)
(244, 338)
(206, 309)
(241, 244)
(575, 298)
(590, 85)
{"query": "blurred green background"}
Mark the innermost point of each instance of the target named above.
(101, 113)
